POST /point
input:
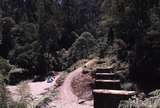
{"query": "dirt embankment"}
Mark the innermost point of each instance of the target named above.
(82, 86)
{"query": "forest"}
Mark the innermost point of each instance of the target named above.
(39, 36)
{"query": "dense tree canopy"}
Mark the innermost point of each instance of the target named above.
(42, 35)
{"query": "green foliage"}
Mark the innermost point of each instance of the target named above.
(23, 92)
(152, 102)
(3, 96)
(155, 93)
(80, 15)
(105, 23)
(7, 24)
(81, 48)
(35, 28)
(106, 20)
(154, 18)
(7, 102)
(5, 67)
(34, 33)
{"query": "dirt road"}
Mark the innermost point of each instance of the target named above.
(66, 98)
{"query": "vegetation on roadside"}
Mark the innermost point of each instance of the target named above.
(142, 101)
(6, 100)
(5, 67)
(40, 36)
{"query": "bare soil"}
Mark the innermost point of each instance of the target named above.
(66, 97)
(82, 86)
(69, 95)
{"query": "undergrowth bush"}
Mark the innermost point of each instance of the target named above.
(84, 46)
(23, 92)
(3, 96)
(22, 102)
(5, 67)
(150, 102)
(153, 102)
